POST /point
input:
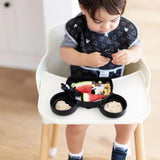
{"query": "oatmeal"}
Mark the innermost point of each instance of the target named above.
(113, 107)
(62, 106)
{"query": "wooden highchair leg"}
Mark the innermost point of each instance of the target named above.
(139, 142)
(45, 140)
(54, 140)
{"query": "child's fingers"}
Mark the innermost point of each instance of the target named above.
(96, 60)
(120, 61)
(118, 54)
(104, 61)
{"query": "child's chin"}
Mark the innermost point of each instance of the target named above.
(102, 32)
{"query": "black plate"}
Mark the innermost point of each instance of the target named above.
(65, 97)
(69, 98)
(117, 98)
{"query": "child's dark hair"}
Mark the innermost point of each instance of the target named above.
(113, 7)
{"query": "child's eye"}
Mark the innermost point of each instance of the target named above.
(114, 20)
(96, 21)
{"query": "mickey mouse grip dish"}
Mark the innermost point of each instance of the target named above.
(88, 93)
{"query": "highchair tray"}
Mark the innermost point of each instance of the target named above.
(131, 87)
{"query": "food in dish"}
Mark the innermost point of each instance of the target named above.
(62, 106)
(113, 107)
(87, 97)
(91, 90)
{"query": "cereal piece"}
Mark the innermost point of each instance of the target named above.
(101, 90)
(109, 91)
(105, 92)
(113, 107)
(93, 85)
(100, 82)
(62, 106)
(108, 85)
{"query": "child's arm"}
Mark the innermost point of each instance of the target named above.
(73, 57)
(127, 56)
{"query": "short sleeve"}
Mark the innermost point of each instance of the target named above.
(71, 33)
(68, 41)
(137, 42)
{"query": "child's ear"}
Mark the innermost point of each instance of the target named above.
(83, 10)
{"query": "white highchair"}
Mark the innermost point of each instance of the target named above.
(52, 71)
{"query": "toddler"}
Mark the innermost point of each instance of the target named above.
(99, 42)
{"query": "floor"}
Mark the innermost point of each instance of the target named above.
(20, 123)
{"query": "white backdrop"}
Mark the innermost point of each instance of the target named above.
(24, 27)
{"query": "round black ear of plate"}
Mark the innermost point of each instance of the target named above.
(117, 98)
(67, 99)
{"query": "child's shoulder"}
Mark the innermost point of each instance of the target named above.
(127, 29)
(126, 33)
(126, 23)
(77, 22)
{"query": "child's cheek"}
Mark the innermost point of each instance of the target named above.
(94, 28)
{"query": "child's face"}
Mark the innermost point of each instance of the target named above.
(103, 22)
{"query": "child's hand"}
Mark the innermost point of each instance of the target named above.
(96, 60)
(123, 57)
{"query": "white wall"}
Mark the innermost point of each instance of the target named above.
(32, 19)
(56, 11)
(75, 8)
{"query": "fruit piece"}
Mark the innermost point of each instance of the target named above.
(105, 92)
(100, 82)
(105, 85)
(81, 84)
(84, 89)
(87, 97)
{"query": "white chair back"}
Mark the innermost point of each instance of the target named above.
(54, 62)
